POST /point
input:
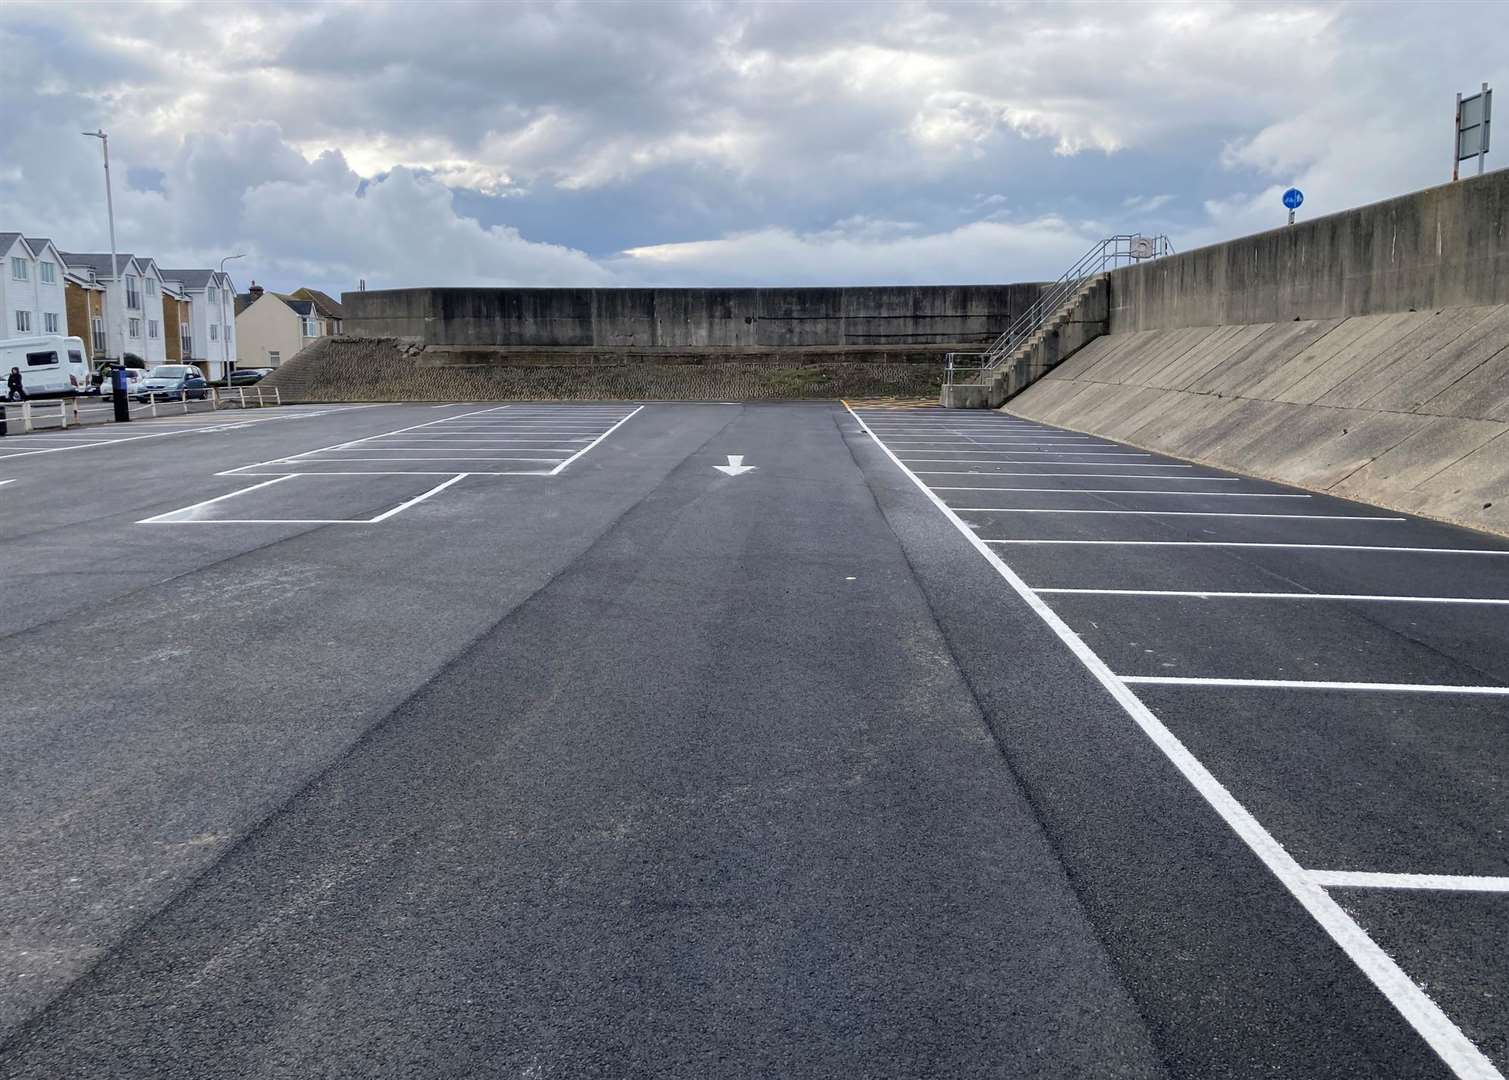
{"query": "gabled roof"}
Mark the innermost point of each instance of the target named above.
(98, 262)
(82, 278)
(8, 239)
(300, 307)
(322, 302)
(38, 244)
(192, 279)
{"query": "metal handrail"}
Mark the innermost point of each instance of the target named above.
(1113, 251)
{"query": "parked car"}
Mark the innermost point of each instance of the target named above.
(171, 382)
(249, 375)
(106, 387)
(50, 365)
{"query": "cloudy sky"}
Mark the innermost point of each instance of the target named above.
(706, 143)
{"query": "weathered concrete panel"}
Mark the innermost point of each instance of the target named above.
(692, 318)
(1402, 409)
(1446, 246)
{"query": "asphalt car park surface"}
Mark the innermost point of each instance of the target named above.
(489, 740)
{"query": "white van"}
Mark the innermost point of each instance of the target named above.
(50, 365)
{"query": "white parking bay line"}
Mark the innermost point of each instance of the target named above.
(1281, 596)
(1054, 464)
(172, 518)
(1172, 513)
(417, 499)
(415, 460)
(907, 452)
(1250, 544)
(1356, 879)
(1131, 491)
(1306, 684)
(163, 518)
(1414, 1004)
(1160, 478)
(597, 440)
(354, 442)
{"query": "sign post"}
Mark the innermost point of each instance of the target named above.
(1470, 139)
(1292, 199)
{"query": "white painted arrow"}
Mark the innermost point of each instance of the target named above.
(735, 465)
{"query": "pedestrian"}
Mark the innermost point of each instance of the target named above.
(13, 388)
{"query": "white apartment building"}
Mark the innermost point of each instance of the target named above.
(212, 330)
(32, 299)
(133, 303)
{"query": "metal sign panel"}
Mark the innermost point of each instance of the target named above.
(1474, 116)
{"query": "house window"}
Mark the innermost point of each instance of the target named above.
(133, 294)
(97, 329)
(23, 322)
(152, 329)
(274, 358)
(133, 327)
(151, 286)
(309, 327)
(49, 274)
(49, 322)
(18, 268)
(214, 335)
(213, 294)
(185, 340)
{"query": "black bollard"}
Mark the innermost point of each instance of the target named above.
(121, 386)
(2, 417)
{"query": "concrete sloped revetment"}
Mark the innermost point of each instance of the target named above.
(1364, 354)
(1408, 411)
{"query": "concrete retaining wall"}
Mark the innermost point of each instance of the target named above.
(1408, 410)
(1443, 247)
(715, 319)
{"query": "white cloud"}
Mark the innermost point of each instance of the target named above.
(862, 253)
(894, 141)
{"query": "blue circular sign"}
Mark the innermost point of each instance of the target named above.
(1293, 197)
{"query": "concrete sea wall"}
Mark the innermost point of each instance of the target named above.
(700, 319)
(1442, 247)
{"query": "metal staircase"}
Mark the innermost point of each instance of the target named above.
(1055, 304)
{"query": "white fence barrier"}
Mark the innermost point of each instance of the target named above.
(26, 416)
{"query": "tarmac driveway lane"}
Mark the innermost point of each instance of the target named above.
(716, 800)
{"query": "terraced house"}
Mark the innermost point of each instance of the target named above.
(207, 332)
(138, 293)
(31, 287)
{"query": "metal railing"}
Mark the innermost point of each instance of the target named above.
(1121, 250)
(57, 413)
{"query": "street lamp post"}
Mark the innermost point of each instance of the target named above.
(115, 266)
(226, 362)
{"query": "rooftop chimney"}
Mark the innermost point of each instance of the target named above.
(255, 292)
